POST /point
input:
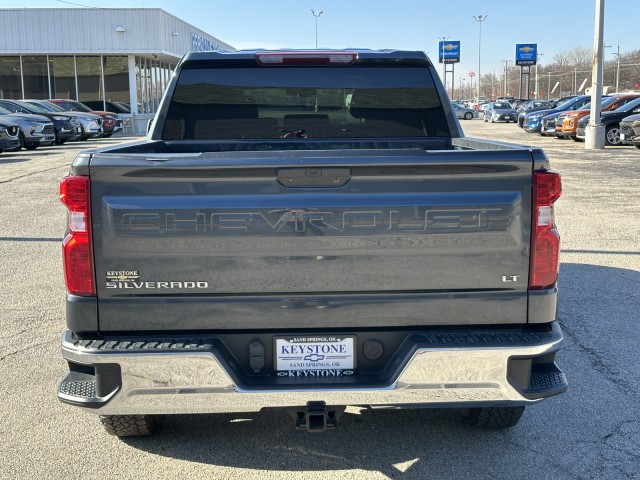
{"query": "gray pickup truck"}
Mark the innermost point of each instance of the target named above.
(309, 230)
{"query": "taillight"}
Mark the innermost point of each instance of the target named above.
(306, 58)
(545, 239)
(77, 246)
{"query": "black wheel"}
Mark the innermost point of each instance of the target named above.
(107, 135)
(129, 425)
(468, 116)
(637, 146)
(58, 141)
(492, 417)
(612, 135)
(31, 146)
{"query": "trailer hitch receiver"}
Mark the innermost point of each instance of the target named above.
(316, 416)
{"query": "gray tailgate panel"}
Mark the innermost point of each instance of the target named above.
(422, 232)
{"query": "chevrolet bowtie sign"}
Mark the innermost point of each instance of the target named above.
(526, 53)
(449, 52)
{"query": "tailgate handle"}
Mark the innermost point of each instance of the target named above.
(313, 177)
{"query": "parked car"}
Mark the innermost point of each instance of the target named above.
(9, 133)
(506, 99)
(548, 124)
(91, 125)
(630, 130)
(35, 130)
(532, 121)
(500, 112)
(66, 128)
(116, 107)
(567, 123)
(464, 112)
(532, 106)
(611, 122)
(517, 102)
(111, 122)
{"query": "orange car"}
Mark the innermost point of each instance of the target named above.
(567, 123)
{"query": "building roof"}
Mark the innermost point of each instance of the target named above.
(109, 31)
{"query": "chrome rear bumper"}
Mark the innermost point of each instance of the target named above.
(185, 381)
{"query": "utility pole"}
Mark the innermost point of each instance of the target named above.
(316, 16)
(479, 19)
(618, 69)
(595, 139)
(537, 96)
(506, 72)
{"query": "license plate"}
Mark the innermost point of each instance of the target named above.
(315, 356)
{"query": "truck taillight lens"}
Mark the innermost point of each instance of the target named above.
(545, 239)
(77, 246)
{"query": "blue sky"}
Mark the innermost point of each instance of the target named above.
(403, 24)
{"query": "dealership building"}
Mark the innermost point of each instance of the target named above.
(95, 54)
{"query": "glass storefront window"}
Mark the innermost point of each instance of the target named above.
(89, 79)
(116, 79)
(63, 77)
(36, 77)
(10, 81)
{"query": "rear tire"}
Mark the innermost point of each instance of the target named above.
(492, 417)
(31, 146)
(129, 425)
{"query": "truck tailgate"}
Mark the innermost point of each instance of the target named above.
(292, 239)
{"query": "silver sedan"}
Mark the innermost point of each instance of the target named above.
(500, 112)
(464, 112)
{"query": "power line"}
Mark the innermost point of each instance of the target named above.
(76, 4)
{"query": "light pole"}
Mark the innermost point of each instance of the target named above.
(444, 65)
(479, 19)
(316, 17)
(595, 131)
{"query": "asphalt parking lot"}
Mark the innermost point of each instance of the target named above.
(591, 431)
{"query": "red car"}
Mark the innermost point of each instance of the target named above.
(111, 122)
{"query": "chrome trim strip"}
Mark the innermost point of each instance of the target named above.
(195, 382)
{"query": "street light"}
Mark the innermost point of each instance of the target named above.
(479, 19)
(444, 65)
(316, 17)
